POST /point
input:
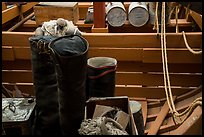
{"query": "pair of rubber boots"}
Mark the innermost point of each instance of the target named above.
(63, 82)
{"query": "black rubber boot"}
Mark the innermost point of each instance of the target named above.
(45, 85)
(70, 55)
(101, 77)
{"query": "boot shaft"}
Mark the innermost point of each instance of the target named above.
(45, 86)
(70, 56)
(101, 76)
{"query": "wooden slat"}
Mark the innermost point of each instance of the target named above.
(125, 40)
(121, 78)
(16, 76)
(22, 52)
(122, 66)
(153, 92)
(16, 38)
(16, 65)
(128, 54)
(131, 66)
(120, 54)
(173, 56)
(141, 40)
(13, 12)
(197, 18)
(186, 80)
(8, 53)
(160, 118)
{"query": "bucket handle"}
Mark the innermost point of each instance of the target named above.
(102, 74)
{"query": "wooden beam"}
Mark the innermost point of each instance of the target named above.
(160, 118)
(154, 92)
(126, 54)
(123, 40)
(21, 22)
(13, 12)
(184, 80)
(99, 14)
(11, 75)
(174, 55)
(8, 53)
(197, 18)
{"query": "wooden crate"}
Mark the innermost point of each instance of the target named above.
(46, 11)
(121, 102)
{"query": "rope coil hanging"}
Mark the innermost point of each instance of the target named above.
(176, 115)
(188, 47)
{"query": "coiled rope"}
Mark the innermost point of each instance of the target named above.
(188, 47)
(176, 115)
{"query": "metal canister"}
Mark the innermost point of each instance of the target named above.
(138, 14)
(116, 14)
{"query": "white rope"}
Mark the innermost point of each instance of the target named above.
(177, 29)
(168, 92)
(163, 61)
(188, 47)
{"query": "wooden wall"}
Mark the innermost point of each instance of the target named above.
(139, 72)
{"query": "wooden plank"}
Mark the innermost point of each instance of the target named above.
(136, 40)
(197, 18)
(8, 53)
(22, 53)
(131, 78)
(13, 75)
(131, 66)
(160, 118)
(13, 12)
(16, 38)
(122, 66)
(153, 92)
(141, 40)
(16, 76)
(120, 54)
(174, 55)
(16, 65)
(127, 54)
